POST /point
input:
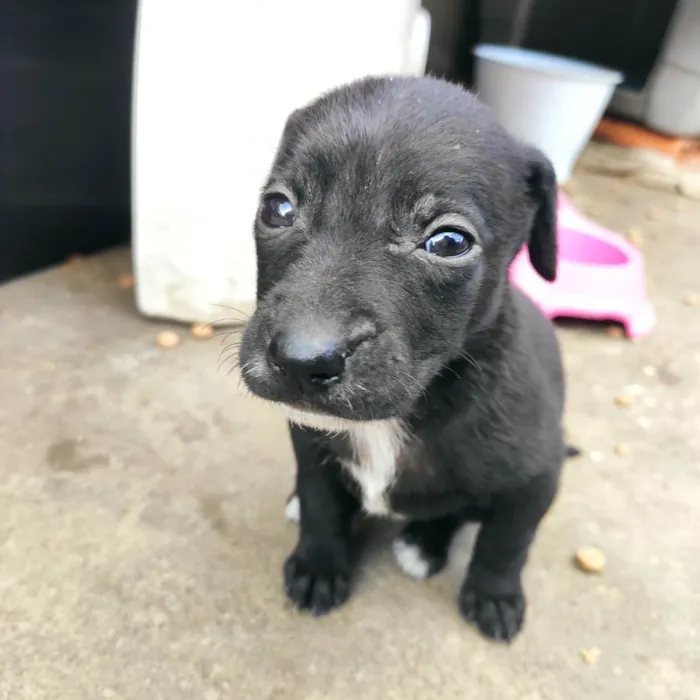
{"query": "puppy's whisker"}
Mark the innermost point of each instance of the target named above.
(227, 359)
(231, 346)
(242, 386)
(402, 384)
(232, 369)
(229, 331)
(238, 319)
(238, 340)
(453, 371)
(230, 324)
(245, 314)
(243, 368)
(420, 387)
(471, 360)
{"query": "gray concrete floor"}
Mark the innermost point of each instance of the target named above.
(141, 528)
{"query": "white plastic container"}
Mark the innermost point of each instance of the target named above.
(213, 84)
(549, 101)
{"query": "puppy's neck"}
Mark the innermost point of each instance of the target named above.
(376, 448)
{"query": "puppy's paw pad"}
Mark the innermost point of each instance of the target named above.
(497, 617)
(414, 561)
(315, 586)
(292, 509)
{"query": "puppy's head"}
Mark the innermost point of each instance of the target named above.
(384, 235)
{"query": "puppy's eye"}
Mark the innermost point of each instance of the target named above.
(277, 211)
(448, 243)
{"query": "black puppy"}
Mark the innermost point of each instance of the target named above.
(418, 381)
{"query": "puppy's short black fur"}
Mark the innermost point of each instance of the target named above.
(420, 383)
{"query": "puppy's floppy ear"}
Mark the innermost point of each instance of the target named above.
(541, 190)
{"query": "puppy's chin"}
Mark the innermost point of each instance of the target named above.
(335, 408)
(319, 421)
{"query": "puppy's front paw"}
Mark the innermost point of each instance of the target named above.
(317, 581)
(498, 617)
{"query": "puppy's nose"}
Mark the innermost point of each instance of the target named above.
(317, 361)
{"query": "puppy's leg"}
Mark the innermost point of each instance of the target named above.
(317, 573)
(492, 593)
(422, 547)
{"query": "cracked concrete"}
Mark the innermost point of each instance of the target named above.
(142, 529)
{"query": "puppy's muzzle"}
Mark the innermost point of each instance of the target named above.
(315, 358)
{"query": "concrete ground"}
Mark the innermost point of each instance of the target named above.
(141, 527)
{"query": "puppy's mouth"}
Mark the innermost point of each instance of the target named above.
(324, 403)
(330, 384)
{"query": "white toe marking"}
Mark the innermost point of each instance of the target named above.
(410, 558)
(291, 510)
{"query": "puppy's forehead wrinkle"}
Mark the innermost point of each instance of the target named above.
(317, 172)
(406, 189)
(425, 206)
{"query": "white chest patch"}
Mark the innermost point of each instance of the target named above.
(376, 448)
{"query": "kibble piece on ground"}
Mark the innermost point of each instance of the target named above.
(623, 400)
(126, 281)
(202, 331)
(590, 560)
(634, 235)
(168, 339)
(622, 450)
(590, 656)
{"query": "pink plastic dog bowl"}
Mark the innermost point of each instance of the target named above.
(600, 276)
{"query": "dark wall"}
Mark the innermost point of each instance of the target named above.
(455, 29)
(623, 34)
(65, 71)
